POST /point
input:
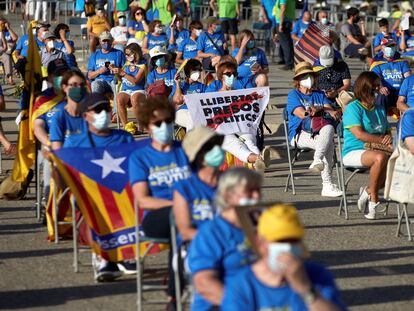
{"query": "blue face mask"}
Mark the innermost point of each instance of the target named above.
(251, 44)
(389, 51)
(101, 120)
(57, 82)
(160, 62)
(229, 81)
(214, 157)
(77, 93)
(164, 133)
(276, 249)
(218, 29)
(67, 34)
(106, 46)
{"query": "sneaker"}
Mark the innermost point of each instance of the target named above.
(265, 155)
(363, 51)
(317, 166)
(372, 206)
(260, 165)
(128, 267)
(131, 128)
(108, 271)
(363, 199)
(331, 190)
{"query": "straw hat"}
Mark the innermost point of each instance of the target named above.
(303, 68)
(344, 98)
(195, 139)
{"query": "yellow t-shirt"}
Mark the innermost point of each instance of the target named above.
(97, 23)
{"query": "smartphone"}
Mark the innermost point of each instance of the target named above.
(254, 66)
(107, 64)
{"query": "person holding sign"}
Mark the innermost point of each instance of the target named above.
(303, 104)
(282, 279)
(220, 249)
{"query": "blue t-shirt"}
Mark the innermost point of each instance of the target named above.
(23, 44)
(295, 100)
(299, 28)
(188, 47)
(1, 91)
(186, 88)
(64, 127)
(392, 73)
(115, 137)
(268, 6)
(407, 126)
(409, 41)
(160, 41)
(159, 169)
(200, 199)
(239, 83)
(168, 77)
(127, 85)
(372, 121)
(407, 90)
(70, 58)
(246, 290)
(205, 45)
(380, 36)
(244, 67)
(47, 117)
(98, 60)
(179, 36)
(218, 246)
(137, 26)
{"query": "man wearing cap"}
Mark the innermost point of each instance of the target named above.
(211, 44)
(105, 63)
(282, 279)
(49, 52)
(120, 32)
(332, 73)
(392, 70)
(96, 25)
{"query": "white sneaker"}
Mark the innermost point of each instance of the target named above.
(371, 210)
(363, 199)
(317, 166)
(265, 154)
(331, 190)
(260, 165)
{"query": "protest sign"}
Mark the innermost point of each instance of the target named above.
(229, 112)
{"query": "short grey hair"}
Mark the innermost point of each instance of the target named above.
(232, 178)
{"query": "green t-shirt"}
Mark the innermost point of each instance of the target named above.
(290, 10)
(227, 8)
(122, 5)
(164, 15)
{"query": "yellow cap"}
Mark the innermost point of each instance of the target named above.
(280, 222)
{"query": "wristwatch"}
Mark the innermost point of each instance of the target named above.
(310, 296)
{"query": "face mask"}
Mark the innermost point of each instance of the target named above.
(195, 75)
(122, 21)
(178, 24)
(160, 62)
(51, 44)
(198, 32)
(164, 133)
(67, 34)
(218, 28)
(99, 13)
(215, 157)
(77, 93)
(324, 21)
(276, 249)
(305, 22)
(307, 82)
(389, 51)
(106, 46)
(57, 81)
(158, 30)
(101, 120)
(247, 201)
(229, 81)
(251, 44)
(34, 32)
(130, 58)
(384, 33)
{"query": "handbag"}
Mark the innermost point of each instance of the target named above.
(378, 147)
(313, 124)
(400, 173)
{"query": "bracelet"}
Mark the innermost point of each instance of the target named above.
(310, 296)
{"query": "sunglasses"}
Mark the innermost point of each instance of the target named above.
(229, 74)
(138, 13)
(159, 122)
(99, 108)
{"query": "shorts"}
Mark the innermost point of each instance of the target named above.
(131, 92)
(229, 26)
(353, 158)
(352, 50)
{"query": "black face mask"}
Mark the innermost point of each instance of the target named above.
(357, 19)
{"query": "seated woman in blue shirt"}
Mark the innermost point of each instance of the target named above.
(193, 202)
(62, 42)
(407, 129)
(155, 38)
(137, 24)
(282, 279)
(252, 60)
(220, 250)
(160, 60)
(303, 101)
(154, 169)
(192, 70)
(407, 40)
(187, 48)
(176, 34)
(365, 122)
(132, 93)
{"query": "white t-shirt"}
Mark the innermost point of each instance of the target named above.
(120, 33)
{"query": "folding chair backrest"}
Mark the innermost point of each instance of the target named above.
(285, 115)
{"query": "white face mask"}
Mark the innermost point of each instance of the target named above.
(34, 31)
(198, 32)
(247, 201)
(51, 44)
(307, 82)
(324, 20)
(276, 249)
(101, 120)
(195, 75)
(122, 21)
(158, 30)
(130, 58)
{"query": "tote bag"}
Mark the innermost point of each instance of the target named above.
(399, 183)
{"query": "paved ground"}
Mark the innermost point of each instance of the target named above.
(373, 268)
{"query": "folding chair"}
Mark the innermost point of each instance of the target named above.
(403, 215)
(140, 260)
(343, 205)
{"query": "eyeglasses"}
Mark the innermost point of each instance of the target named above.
(159, 122)
(229, 74)
(99, 108)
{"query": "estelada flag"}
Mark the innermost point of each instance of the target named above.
(44, 103)
(99, 180)
(307, 48)
(26, 145)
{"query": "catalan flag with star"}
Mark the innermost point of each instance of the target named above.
(98, 178)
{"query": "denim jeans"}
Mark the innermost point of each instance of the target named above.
(286, 43)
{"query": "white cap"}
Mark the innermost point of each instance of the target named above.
(326, 55)
(157, 51)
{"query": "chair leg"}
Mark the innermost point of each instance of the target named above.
(55, 213)
(399, 220)
(75, 239)
(407, 222)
